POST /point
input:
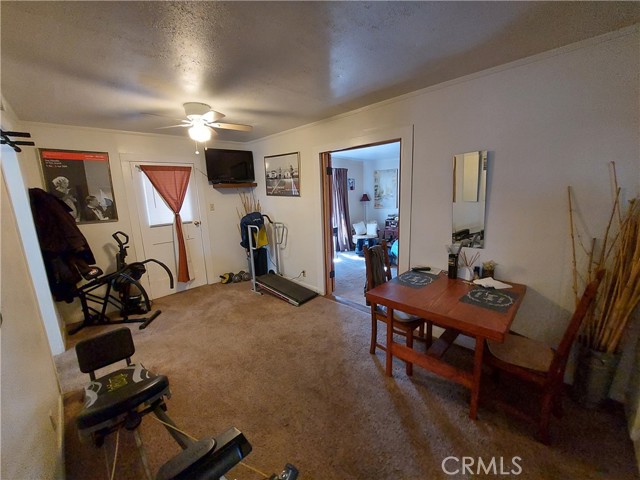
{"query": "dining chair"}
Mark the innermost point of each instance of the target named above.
(378, 271)
(539, 364)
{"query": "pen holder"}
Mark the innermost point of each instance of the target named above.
(465, 273)
(453, 266)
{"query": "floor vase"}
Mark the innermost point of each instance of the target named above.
(594, 376)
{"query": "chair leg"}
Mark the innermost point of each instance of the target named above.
(545, 413)
(557, 408)
(409, 366)
(374, 334)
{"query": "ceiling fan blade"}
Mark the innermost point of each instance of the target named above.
(174, 126)
(212, 116)
(162, 116)
(231, 126)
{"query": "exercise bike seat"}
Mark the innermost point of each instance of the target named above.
(122, 396)
(91, 273)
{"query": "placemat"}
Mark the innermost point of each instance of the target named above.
(415, 279)
(498, 300)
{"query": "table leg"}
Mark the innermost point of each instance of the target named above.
(477, 375)
(389, 357)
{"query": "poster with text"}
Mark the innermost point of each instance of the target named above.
(82, 180)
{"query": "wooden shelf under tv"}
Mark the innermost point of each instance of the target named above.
(235, 185)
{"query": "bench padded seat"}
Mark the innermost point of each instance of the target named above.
(113, 395)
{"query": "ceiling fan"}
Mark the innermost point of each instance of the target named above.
(201, 119)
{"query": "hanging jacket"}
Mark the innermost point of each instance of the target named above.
(65, 250)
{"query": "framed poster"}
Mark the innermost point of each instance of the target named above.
(82, 180)
(385, 188)
(282, 174)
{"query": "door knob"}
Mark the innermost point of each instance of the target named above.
(196, 223)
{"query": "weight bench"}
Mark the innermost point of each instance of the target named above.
(120, 398)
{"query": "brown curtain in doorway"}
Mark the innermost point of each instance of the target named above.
(341, 219)
(171, 183)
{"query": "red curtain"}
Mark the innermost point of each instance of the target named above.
(171, 183)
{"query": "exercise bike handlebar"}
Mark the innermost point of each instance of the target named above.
(120, 235)
(166, 269)
(116, 236)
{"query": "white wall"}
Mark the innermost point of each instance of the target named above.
(31, 400)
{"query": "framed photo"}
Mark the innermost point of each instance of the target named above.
(352, 183)
(282, 174)
(385, 188)
(82, 180)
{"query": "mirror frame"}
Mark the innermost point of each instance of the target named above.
(469, 198)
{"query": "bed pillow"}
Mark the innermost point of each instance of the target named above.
(359, 228)
(372, 228)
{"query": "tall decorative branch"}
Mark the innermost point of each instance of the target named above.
(620, 292)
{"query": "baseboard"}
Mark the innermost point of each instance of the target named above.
(60, 473)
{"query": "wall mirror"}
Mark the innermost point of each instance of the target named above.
(469, 195)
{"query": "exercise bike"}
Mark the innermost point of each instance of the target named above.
(121, 289)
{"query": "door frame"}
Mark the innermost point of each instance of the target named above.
(405, 136)
(126, 159)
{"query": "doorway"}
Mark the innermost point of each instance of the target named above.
(157, 237)
(372, 197)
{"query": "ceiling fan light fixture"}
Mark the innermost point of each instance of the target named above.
(200, 133)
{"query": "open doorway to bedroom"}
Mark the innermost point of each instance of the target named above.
(362, 194)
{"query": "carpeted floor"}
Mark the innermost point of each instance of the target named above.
(300, 383)
(350, 277)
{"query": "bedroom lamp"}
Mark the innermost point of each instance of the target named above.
(365, 198)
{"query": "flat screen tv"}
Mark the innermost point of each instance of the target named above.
(229, 166)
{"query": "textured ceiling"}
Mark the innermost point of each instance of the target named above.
(274, 65)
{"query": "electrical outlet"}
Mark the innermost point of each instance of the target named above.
(212, 207)
(304, 273)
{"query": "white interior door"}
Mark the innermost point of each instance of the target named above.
(156, 221)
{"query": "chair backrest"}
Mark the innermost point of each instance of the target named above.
(105, 349)
(377, 264)
(564, 348)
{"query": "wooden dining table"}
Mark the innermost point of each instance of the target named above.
(457, 306)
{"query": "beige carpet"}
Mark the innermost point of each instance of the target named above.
(350, 277)
(302, 386)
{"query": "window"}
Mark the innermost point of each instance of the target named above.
(158, 213)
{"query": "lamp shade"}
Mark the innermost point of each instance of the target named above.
(200, 133)
(365, 198)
